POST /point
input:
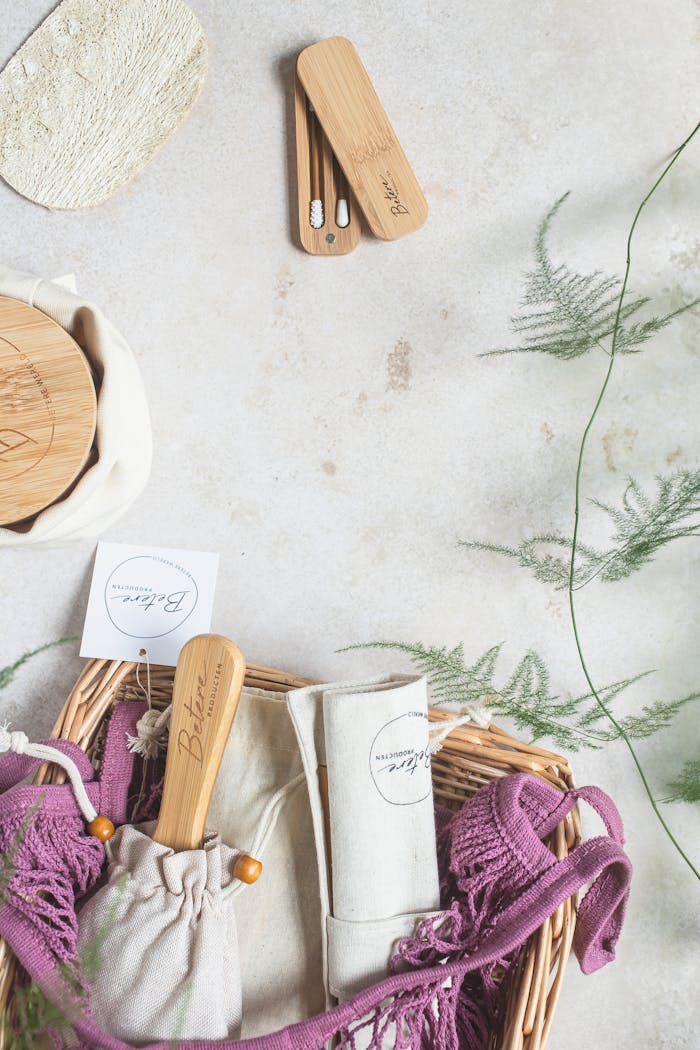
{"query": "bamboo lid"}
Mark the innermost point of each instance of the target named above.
(48, 411)
(364, 142)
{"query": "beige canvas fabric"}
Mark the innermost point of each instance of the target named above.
(120, 468)
(278, 918)
(169, 914)
(373, 738)
(94, 93)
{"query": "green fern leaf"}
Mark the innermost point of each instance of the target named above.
(451, 680)
(594, 715)
(7, 674)
(642, 525)
(631, 338)
(567, 314)
(526, 697)
(539, 556)
(654, 717)
(686, 786)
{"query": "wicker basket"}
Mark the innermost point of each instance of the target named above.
(470, 757)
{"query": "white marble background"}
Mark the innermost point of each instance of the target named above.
(329, 427)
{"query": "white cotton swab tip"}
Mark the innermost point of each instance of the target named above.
(342, 215)
(316, 217)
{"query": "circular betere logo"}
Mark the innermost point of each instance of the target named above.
(399, 759)
(149, 596)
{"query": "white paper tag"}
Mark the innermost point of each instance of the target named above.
(146, 602)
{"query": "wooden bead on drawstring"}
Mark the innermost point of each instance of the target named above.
(102, 828)
(247, 869)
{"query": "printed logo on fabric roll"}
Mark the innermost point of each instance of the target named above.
(149, 596)
(399, 759)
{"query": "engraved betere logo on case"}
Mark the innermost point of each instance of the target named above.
(399, 759)
(27, 416)
(149, 596)
(392, 195)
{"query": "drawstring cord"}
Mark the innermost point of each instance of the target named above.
(438, 731)
(152, 729)
(102, 828)
(266, 825)
(19, 743)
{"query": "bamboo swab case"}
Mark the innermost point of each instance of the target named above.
(48, 411)
(348, 151)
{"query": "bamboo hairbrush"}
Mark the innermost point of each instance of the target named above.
(208, 682)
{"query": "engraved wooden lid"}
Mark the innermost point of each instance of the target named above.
(48, 410)
(364, 142)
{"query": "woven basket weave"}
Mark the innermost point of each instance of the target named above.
(470, 757)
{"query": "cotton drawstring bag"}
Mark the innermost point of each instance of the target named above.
(165, 938)
(164, 908)
(278, 917)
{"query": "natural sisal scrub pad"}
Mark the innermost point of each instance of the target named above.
(93, 93)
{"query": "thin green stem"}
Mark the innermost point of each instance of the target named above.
(577, 506)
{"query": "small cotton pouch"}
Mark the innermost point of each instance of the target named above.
(373, 739)
(162, 935)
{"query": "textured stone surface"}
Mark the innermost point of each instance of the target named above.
(329, 426)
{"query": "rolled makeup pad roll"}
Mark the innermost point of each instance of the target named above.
(380, 799)
(382, 826)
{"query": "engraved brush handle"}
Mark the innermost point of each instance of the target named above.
(207, 688)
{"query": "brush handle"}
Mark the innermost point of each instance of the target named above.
(206, 691)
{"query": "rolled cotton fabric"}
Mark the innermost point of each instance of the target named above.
(380, 799)
(373, 738)
(120, 467)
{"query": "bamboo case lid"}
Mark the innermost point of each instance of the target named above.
(48, 410)
(362, 139)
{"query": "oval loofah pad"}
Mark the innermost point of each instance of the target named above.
(93, 93)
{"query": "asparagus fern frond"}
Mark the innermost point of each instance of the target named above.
(641, 526)
(527, 697)
(8, 673)
(686, 786)
(567, 314)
